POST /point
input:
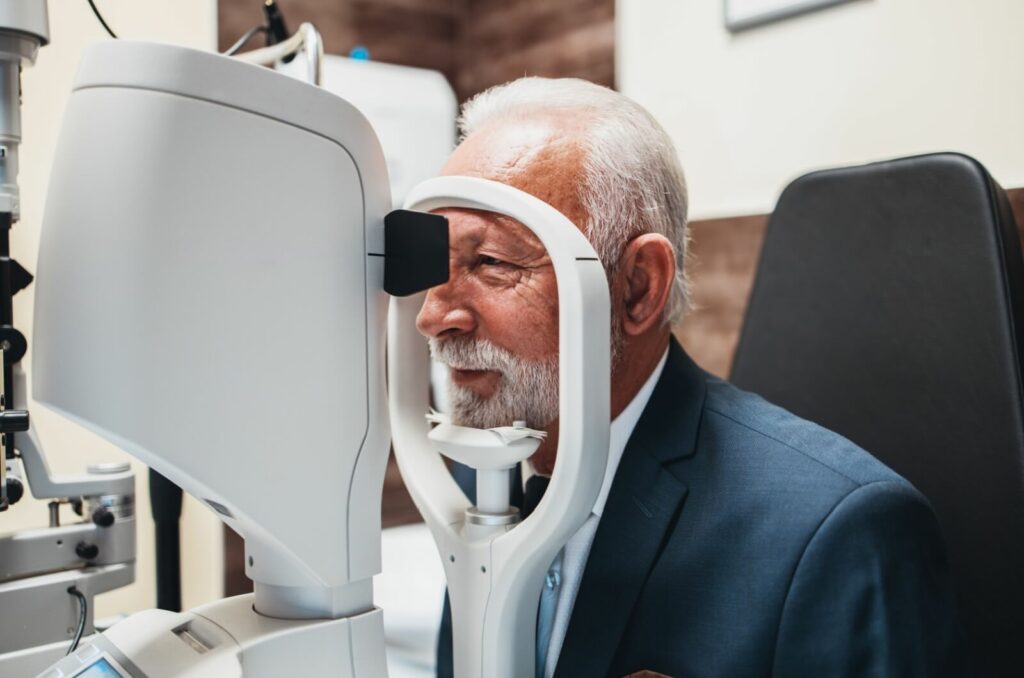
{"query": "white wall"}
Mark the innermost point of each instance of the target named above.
(863, 81)
(46, 87)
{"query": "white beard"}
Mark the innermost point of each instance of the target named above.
(527, 390)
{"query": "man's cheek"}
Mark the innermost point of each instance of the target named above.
(538, 297)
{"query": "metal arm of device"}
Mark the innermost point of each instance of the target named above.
(37, 568)
(37, 632)
(495, 573)
(307, 38)
(105, 535)
(45, 485)
(24, 27)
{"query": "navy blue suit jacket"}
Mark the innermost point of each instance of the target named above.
(740, 540)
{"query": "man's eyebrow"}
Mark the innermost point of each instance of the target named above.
(512, 235)
(511, 248)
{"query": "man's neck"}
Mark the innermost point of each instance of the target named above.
(640, 355)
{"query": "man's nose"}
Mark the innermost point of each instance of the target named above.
(444, 313)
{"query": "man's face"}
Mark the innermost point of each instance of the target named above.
(495, 322)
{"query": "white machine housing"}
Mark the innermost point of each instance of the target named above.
(412, 111)
(495, 569)
(207, 321)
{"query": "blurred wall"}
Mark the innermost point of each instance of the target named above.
(418, 33)
(861, 81)
(475, 43)
(46, 87)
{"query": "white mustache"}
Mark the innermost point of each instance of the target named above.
(473, 354)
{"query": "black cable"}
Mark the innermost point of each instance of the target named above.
(83, 606)
(100, 17)
(277, 30)
(244, 40)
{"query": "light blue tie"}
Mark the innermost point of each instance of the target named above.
(546, 612)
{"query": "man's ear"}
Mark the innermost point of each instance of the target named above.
(647, 271)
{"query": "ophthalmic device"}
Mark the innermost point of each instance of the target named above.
(215, 273)
(49, 574)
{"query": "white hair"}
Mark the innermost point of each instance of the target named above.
(633, 181)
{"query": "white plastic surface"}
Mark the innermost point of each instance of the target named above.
(494, 578)
(410, 591)
(412, 111)
(206, 302)
(228, 639)
(485, 448)
(27, 17)
(493, 453)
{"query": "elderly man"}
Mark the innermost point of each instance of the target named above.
(730, 538)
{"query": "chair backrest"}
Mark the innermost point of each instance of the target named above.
(888, 307)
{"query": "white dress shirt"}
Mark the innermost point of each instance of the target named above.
(574, 555)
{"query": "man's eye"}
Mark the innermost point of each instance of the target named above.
(491, 261)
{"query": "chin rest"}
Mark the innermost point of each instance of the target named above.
(888, 307)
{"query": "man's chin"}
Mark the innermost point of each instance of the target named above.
(473, 410)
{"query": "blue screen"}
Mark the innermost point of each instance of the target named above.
(99, 669)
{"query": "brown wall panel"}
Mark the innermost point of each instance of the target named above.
(420, 33)
(723, 258)
(1016, 196)
(475, 43)
(501, 41)
(424, 35)
(579, 53)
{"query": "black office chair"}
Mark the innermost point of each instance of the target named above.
(888, 307)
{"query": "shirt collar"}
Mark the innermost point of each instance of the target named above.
(621, 430)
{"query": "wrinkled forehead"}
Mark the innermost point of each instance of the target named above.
(472, 228)
(543, 155)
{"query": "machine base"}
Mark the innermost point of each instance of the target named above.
(226, 639)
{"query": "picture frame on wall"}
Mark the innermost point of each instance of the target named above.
(743, 14)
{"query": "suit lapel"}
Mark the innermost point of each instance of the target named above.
(642, 506)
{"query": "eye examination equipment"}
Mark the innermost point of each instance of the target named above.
(495, 567)
(412, 111)
(50, 574)
(234, 327)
